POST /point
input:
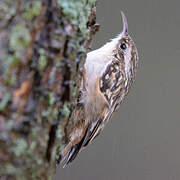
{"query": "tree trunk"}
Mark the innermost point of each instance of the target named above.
(43, 46)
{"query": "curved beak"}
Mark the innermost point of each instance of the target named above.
(125, 24)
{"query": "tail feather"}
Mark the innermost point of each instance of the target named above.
(85, 140)
(72, 153)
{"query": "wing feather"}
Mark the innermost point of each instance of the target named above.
(112, 83)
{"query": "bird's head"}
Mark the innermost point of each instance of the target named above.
(125, 51)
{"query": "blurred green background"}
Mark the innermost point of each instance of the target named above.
(142, 140)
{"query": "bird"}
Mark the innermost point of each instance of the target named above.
(108, 75)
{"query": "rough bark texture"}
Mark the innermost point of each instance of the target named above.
(43, 45)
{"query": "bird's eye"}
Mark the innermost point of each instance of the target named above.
(123, 46)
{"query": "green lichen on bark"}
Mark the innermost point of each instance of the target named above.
(78, 12)
(43, 45)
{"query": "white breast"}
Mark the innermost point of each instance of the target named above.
(94, 65)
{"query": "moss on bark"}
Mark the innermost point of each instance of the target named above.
(43, 45)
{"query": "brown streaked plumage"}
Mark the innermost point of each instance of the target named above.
(108, 75)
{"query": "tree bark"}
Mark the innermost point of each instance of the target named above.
(43, 45)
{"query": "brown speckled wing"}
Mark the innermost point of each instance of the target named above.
(112, 83)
